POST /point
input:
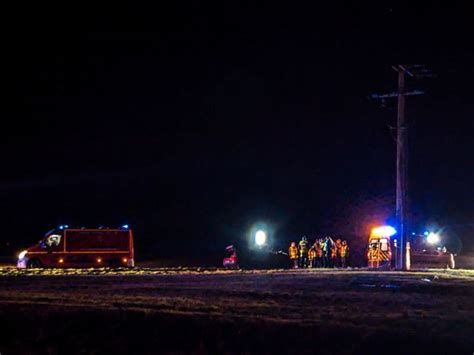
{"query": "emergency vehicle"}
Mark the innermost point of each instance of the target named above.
(379, 253)
(429, 251)
(231, 261)
(425, 251)
(66, 247)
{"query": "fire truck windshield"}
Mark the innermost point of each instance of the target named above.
(48, 233)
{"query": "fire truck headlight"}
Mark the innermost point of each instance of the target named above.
(260, 238)
(433, 238)
(22, 254)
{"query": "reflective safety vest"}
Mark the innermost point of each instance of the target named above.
(312, 254)
(293, 252)
(303, 247)
(325, 246)
(344, 251)
(338, 248)
(333, 252)
(319, 250)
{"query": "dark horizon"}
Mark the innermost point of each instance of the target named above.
(191, 124)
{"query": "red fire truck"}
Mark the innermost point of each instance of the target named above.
(68, 247)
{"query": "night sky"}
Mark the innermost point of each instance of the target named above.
(191, 123)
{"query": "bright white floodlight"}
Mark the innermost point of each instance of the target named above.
(260, 238)
(433, 238)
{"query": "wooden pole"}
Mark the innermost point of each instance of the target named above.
(401, 169)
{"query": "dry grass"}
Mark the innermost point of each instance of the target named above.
(207, 310)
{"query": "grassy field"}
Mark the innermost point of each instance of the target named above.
(215, 311)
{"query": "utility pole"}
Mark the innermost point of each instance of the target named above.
(402, 132)
(402, 155)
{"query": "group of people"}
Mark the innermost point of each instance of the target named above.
(324, 253)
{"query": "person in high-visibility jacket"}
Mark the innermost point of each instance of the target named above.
(337, 246)
(333, 256)
(344, 252)
(293, 254)
(311, 256)
(326, 251)
(319, 252)
(303, 248)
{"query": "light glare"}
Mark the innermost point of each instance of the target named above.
(433, 238)
(260, 238)
(384, 231)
